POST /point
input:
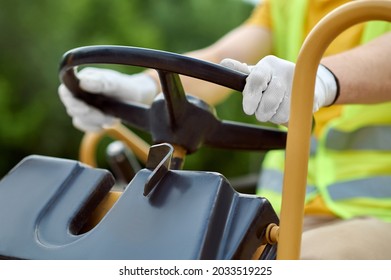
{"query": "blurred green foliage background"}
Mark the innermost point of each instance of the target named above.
(35, 35)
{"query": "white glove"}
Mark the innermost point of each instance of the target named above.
(267, 92)
(139, 88)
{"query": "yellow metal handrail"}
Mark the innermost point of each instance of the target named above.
(90, 141)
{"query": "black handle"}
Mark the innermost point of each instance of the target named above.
(154, 59)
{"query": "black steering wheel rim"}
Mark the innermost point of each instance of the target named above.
(189, 124)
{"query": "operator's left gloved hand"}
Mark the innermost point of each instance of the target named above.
(268, 88)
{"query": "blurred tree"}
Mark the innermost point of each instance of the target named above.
(35, 34)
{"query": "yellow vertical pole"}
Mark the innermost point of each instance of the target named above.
(299, 130)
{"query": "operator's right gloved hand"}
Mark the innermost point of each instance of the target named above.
(140, 88)
(268, 89)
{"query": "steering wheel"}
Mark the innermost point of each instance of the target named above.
(174, 117)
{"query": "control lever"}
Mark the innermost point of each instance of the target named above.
(122, 161)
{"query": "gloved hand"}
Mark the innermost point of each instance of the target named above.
(139, 88)
(267, 92)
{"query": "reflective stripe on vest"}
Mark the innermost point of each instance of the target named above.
(272, 180)
(365, 138)
(376, 187)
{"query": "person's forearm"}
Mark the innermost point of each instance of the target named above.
(364, 73)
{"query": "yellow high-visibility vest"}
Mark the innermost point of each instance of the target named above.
(350, 162)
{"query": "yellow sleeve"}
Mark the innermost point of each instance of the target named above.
(261, 15)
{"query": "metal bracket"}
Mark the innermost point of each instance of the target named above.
(159, 161)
